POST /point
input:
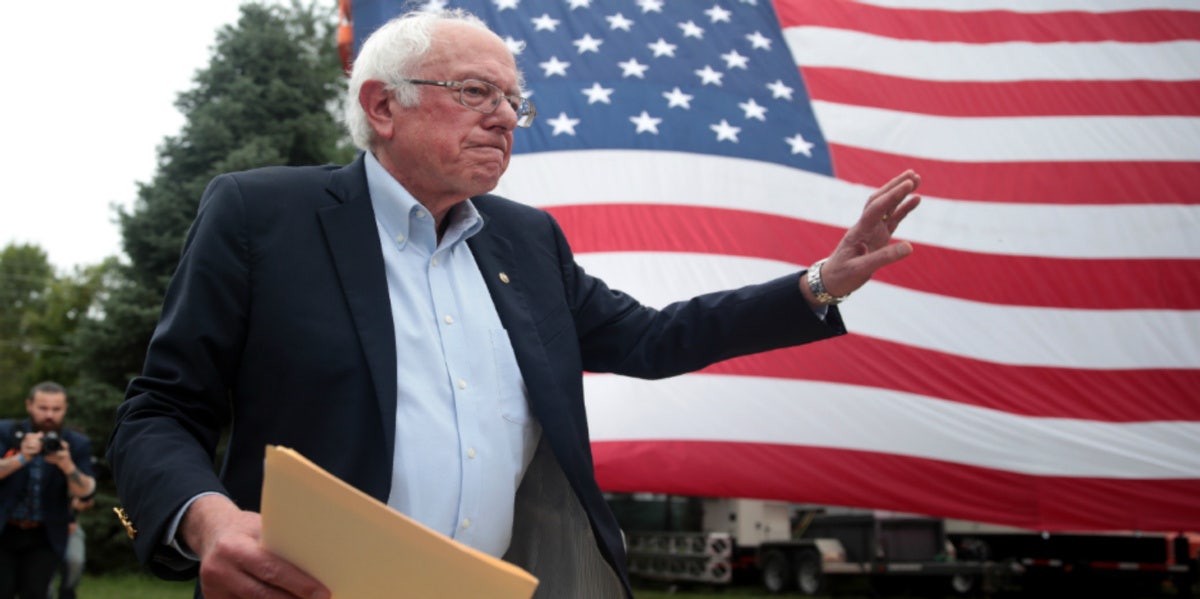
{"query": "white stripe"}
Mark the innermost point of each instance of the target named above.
(1007, 61)
(805, 413)
(675, 178)
(1037, 6)
(1011, 139)
(1016, 335)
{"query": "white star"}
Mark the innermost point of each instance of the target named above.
(634, 68)
(707, 75)
(618, 21)
(726, 131)
(580, 4)
(650, 5)
(753, 110)
(434, 6)
(733, 60)
(779, 89)
(691, 29)
(554, 66)
(595, 93)
(645, 122)
(507, 4)
(759, 41)
(718, 14)
(750, 2)
(514, 45)
(676, 97)
(563, 124)
(587, 43)
(544, 23)
(800, 145)
(662, 48)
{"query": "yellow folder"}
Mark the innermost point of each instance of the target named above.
(362, 549)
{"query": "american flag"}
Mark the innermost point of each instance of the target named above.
(1035, 363)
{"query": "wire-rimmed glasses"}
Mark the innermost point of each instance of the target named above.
(484, 97)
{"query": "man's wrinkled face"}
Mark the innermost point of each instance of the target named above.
(446, 148)
(47, 410)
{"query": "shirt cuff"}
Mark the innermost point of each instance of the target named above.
(170, 539)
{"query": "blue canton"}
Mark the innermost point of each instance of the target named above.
(702, 77)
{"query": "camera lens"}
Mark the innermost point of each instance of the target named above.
(51, 443)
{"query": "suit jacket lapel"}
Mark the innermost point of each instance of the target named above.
(353, 239)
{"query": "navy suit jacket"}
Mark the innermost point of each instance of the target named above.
(56, 497)
(278, 322)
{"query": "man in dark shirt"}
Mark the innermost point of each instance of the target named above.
(43, 467)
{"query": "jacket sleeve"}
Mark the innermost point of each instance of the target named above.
(620, 335)
(163, 447)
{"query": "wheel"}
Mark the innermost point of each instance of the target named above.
(809, 577)
(776, 571)
(962, 584)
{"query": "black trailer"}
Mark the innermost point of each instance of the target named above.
(748, 541)
(1077, 564)
(883, 550)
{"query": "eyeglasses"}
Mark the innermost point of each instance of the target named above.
(484, 97)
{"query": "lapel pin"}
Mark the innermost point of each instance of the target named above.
(504, 278)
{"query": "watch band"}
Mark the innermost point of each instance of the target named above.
(817, 286)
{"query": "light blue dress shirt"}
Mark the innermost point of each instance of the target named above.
(464, 433)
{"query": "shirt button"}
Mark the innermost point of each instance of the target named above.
(400, 238)
(449, 319)
(420, 214)
(471, 453)
(434, 261)
(462, 384)
(466, 523)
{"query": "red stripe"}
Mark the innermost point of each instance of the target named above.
(1003, 99)
(991, 26)
(1062, 283)
(1035, 391)
(1144, 395)
(894, 482)
(1109, 183)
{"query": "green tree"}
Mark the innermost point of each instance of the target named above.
(25, 276)
(267, 97)
(39, 315)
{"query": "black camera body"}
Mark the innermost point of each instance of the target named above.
(51, 441)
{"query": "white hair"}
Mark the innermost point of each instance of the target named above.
(392, 53)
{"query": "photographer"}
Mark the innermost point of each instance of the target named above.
(43, 468)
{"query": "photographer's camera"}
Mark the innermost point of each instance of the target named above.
(51, 441)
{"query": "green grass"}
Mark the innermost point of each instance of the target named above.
(144, 586)
(132, 586)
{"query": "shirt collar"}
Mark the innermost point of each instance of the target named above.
(395, 207)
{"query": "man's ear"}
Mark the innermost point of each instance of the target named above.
(374, 97)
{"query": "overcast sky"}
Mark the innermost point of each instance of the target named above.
(89, 92)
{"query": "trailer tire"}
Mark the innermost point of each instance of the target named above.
(809, 577)
(963, 584)
(776, 571)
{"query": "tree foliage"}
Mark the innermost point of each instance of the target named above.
(25, 277)
(264, 99)
(40, 314)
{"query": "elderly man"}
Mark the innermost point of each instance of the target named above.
(418, 338)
